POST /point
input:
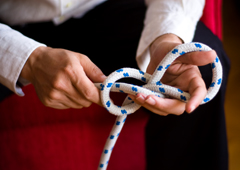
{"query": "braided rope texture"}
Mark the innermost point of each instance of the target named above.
(153, 86)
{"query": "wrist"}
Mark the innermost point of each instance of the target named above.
(163, 39)
(26, 72)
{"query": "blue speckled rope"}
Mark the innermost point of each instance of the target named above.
(153, 86)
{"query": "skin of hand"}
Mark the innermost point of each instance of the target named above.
(183, 74)
(63, 79)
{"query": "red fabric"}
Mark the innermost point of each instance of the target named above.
(212, 16)
(33, 136)
(40, 138)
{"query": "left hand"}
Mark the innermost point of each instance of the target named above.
(183, 74)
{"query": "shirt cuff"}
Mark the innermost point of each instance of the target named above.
(18, 68)
(183, 28)
(14, 51)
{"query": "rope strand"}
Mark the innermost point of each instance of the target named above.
(153, 86)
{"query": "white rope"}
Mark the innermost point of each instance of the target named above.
(153, 86)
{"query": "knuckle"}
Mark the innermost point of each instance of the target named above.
(84, 103)
(48, 105)
(196, 74)
(95, 69)
(88, 104)
(70, 72)
(163, 114)
(64, 52)
(78, 107)
(162, 107)
(197, 82)
(53, 95)
(84, 57)
(47, 102)
(81, 57)
(88, 94)
(59, 84)
(180, 112)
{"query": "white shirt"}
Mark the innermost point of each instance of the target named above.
(163, 16)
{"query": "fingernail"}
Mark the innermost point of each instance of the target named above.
(191, 109)
(103, 77)
(150, 101)
(140, 98)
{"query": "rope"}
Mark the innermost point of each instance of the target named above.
(152, 86)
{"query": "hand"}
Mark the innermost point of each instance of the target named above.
(183, 74)
(63, 79)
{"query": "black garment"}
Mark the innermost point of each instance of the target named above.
(109, 36)
(192, 141)
(4, 92)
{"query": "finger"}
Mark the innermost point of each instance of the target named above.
(54, 104)
(67, 103)
(64, 91)
(91, 70)
(53, 100)
(59, 99)
(170, 106)
(198, 58)
(161, 106)
(59, 106)
(77, 98)
(140, 99)
(85, 87)
(198, 91)
(71, 103)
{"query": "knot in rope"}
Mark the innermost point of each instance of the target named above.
(153, 86)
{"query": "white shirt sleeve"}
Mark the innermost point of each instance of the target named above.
(178, 17)
(15, 49)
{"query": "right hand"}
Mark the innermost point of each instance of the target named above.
(63, 79)
(183, 73)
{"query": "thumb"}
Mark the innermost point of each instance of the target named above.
(199, 58)
(92, 71)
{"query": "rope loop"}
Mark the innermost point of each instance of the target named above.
(153, 86)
